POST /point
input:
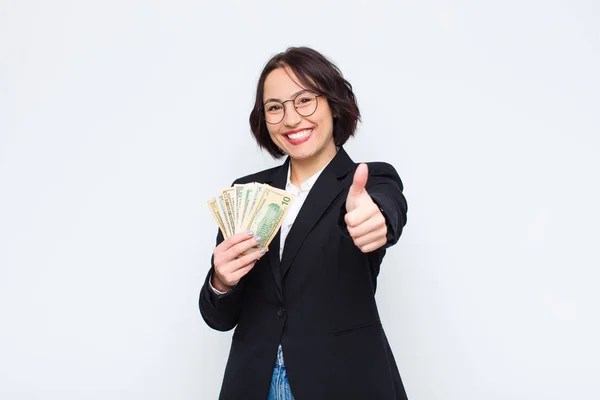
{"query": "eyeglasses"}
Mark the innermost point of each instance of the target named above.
(305, 104)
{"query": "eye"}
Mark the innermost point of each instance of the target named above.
(304, 100)
(273, 107)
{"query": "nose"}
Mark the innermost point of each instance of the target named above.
(291, 117)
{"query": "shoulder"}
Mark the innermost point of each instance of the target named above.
(260, 176)
(381, 170)
(380, 167)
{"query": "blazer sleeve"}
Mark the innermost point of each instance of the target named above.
(220, 312)
(386, 189)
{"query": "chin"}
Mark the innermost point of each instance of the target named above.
(302, 156)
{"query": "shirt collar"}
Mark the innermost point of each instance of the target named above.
(308, 184)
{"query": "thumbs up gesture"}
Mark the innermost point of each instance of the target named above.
(364, 220)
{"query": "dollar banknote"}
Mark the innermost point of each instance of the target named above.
(255, 207)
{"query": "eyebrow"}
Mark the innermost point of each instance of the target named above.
(291, 97)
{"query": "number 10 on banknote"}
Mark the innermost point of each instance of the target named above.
(255, 207)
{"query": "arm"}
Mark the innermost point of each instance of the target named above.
(375, 209)
(385, 188)
(231, 261)
(220, 312)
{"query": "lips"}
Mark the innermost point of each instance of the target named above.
(298, 137)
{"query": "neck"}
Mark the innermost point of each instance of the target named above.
(303, 169)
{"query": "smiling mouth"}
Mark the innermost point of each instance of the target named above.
(299, 135)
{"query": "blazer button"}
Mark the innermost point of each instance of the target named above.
(281, 312)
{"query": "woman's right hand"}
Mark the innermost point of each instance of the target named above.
(230, 267)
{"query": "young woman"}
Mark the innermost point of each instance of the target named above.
(304, 312)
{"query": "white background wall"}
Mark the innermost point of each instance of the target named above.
(119, 119)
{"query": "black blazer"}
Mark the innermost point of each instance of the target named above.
(318, 302)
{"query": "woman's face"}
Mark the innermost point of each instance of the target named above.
(303, 138)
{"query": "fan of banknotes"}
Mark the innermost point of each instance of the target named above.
(255, 207)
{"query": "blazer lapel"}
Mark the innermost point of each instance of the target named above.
(326, 189)
(278, 180)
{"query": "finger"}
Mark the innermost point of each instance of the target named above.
(375, 222)
(372, 246)
(241, 272)
(371, 237)
(224, 256)
(360, 180)
(242, 247)
(245, 260)
(360, 214)
(227, 270)
(234, 239)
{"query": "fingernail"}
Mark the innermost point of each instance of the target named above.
(258, 239)
(262, 250)
(250, 233)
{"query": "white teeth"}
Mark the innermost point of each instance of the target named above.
(300, 135)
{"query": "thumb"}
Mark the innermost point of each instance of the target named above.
(360, 180)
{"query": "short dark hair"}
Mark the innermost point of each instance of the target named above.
(319, 75)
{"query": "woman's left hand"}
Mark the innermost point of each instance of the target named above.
(364, 220)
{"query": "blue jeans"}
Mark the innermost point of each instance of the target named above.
(280, 387)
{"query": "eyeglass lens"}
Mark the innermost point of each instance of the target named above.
(305, 104)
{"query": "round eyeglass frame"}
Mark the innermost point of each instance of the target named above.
(295, 108)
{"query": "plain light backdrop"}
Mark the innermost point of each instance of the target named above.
(120, 119)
